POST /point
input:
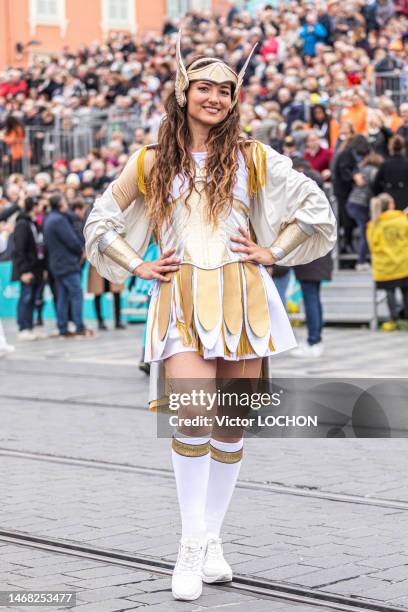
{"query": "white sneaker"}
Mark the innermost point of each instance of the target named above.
(186, 581)
(308, 350)
(27, 335)
(363, 267)
(215, 567)
(5, 349)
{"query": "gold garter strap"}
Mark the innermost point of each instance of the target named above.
(225, 456)
(190, 450)
(211, 309)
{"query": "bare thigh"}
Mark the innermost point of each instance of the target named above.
(187, 372)
(243, 376)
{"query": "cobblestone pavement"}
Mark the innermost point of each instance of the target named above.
(84, 400)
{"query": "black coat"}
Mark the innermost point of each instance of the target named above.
(392, 178)
(318, 270)
(403, 131)
(25, 258)
(344, 166)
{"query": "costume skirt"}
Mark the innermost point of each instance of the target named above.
(233, 312)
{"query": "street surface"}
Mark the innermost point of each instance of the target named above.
(324, 514)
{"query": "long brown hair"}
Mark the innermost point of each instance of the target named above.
(173, 157)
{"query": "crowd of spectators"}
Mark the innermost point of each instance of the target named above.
(326, 86)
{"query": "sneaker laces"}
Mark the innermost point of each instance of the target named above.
(214, 548)
(190, 557)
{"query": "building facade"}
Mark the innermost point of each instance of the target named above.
(29, 27)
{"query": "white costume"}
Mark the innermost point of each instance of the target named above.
(214, 304)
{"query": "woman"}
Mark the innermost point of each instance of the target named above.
(14, 139)
(344, 164)
(392, 175)
(320, 122)
(98, 286)
(214, 311)
(359, 201)
(5, 231)
(387, 235)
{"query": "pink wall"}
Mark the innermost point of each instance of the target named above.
(84, 25)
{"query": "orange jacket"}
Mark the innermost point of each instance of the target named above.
(15, 142)
(357, 115)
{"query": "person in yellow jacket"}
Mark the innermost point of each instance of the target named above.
(387, 236)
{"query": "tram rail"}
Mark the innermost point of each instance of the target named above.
(268, 589)
(300, 491)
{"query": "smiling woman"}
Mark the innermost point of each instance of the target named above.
(209, 103)
(222, 209)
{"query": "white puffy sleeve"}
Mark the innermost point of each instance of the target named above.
(119, 211)
(287, 196)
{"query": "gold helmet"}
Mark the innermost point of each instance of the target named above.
(216, 72)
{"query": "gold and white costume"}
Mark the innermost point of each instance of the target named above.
(214, 304)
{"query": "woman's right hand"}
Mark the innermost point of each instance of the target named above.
(152, 270)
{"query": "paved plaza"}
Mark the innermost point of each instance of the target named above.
(81, 462)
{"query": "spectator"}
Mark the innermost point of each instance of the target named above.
(391, 118)
(65, 249)
(318, 157)
(343, 167)
(320, 122)
(28, 266)
(359, 201)
(403, 129)
(387, 235)
(378, 135)
(310, 277)
(392, 176)
(356, 112)
(13, 86)
(5, 231)
(98, 286)
(312, 32)
(77, 213)
(14, 140)
(289, 148)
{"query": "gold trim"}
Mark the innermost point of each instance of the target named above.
(190, 450)
(257, 306)
(141, 185)
(161, 405)
(165, 305)
(184, 278)
(224, 456)
(232, 298)
(153, 323)
(257, 168)
(208, 297)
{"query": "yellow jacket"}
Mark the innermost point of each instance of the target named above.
(388, 241)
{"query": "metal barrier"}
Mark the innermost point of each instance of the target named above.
(43, 145)
(392, 84)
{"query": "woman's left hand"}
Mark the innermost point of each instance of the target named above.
(253, 252)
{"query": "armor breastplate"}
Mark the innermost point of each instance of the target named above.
(196, 240)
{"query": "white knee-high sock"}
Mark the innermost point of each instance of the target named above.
(225, 463)
(191, 464)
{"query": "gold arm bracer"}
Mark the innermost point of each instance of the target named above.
(290, 237)
(116, 248)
